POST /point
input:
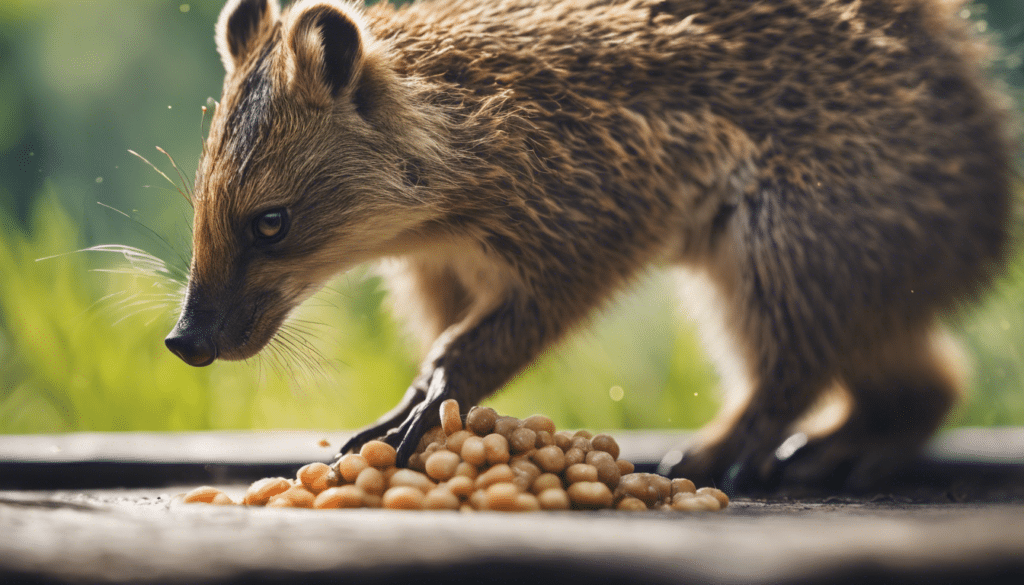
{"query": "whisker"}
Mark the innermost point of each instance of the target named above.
(189, 188)
(164, 175)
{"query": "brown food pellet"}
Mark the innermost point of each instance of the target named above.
(504, 425)
(580, 472)
(456, 440)
(608, 472)
(350, 465)
(260, 492)
(544, 439)
(574, 456)
(202, 495)
(294, 497)
(550, 459)
(625, 467)
(316, 477)
(682, 485)
(538, 423)
(563, 440)
(502, 497)
(410, 478)
(553, 499)
(481, 420)
(372, 501)
(638, 485)
(432, 435)
(474, 452)
(527, 503)
(442, 465)
(583, 433)
(594, 457)
(590, 494)
(461, 486)
(378, 454)
(451, 420)
(581, 443)
(371, 481)
(546, 481)
(500, 473)
(323, 443)
(467, 470)
(522, 440)
(496, 448)
(631, 504)
(605, 443)
(346, 496)
(403, 497)
(416, 462)
(441, 499)
(723, 499)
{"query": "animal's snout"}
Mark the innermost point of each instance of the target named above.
(193, 348)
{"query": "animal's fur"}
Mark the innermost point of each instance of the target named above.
(835, 171)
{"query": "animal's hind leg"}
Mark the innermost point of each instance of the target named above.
(901, 390)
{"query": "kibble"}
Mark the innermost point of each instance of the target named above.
(486, 462)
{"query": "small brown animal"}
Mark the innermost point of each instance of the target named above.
(835, 173)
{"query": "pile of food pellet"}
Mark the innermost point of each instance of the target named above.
(490, 462)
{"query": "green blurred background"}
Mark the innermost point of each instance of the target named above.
(81, 347)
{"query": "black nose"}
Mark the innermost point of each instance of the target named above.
(194, 350)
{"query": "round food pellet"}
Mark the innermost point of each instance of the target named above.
(583, 433)
(467, 470)
(544, 439)
(722, 497)
(202, 495)
(442, 465)
(504, 425)
(378, 454)
(403, 497)
(563, 440)
(474, 452)
(605, 443)
(451, 420)
(526, 503)
(222, 499)
(371, 481)
(608, 472)
(260, 492)
(553, 499)
(461, 486)
(294, 497)
(681, 484)
(316, 477)
(350, 465)
(638, 485)
(346, 496)
(502, 497)
(581, 472)
(411, 478)
(457, 440)
(522, 440)
(481, 420)
(441, 499)
(594, 457)
(625, 467)
(500, 473)
(574, 456)
(551, 459)
(631, 504)
(538, 423)
(590, 494)
(496, 448)
(546, 481)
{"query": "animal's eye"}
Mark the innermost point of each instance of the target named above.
(271, 226)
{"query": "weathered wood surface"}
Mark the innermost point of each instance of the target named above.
(143, 535)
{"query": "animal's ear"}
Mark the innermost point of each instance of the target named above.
(241, 24)
(326, 42)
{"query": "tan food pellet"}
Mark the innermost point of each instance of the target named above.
(631, 504)
(260, 492)
(551, 459)
(525, 467)
(581, 472)
(582, 443)
(467, 470)
(403, 497)
(553, 499)
(202, 495)
(293, 497)
(687, 502)
(372, 501)
(222, 499)
(595, 457)
(546, 481)
(481, 420)
(351, 465)
(605, 443)
(563, 439)
(442, 465)
(451, 419)
(590, 494)
(496, 448)
(625, 467)
(574, 456)
(638, 485)
(682, 485)
(662, 484)
(478, 500)
(378, 454)
(504, 425)
(608, 472)
(723, 499)
(527, 503)
(474, 452)
(461, 486)
(316, 477)
(500, 473)
(371, 481)
(538, 423)
(441, 499)
(346, 496)
(502, 497)
(410, 478)
(522, 440)
(544, 439)
(457, 440)
(583, 433)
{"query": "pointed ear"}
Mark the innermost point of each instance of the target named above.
(241, 24)
(326, 42)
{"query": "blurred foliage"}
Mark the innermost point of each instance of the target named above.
(81, 349)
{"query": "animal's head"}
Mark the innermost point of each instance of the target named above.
(305, 172)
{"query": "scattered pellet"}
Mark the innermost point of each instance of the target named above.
(451, 420)
(378, 454)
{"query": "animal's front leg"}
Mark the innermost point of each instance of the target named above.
(469, 362)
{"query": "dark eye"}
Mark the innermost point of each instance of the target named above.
(271, 226)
